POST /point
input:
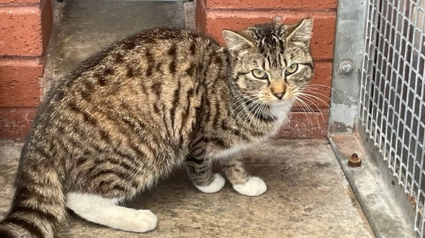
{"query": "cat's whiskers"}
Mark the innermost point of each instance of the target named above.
(303, 110)
(242, 107)
(314, 104)
(243, 98)
(251, 116)
(264, 106)
(311, 91)
(311, 87)
(242, 110)
(238, 104)
(237, 101)
(306, 93)
(308, 109)
(258, 111)
(297, 93)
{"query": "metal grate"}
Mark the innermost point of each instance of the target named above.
(392, 107)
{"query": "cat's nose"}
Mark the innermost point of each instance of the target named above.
(278, 88)
(279, 95)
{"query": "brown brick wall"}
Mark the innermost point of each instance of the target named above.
(24, 33)
(20, 86)
(270, 4)
(16, 121)
(212, 16)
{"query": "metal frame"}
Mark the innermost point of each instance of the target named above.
(349, 44)
(370, 46)
(392, 94)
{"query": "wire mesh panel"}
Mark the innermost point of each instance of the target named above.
(392, 108)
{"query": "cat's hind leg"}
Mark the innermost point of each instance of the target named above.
(105, 211)
(200, 171)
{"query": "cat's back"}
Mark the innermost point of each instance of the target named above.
(149, 63)
(163, 51)
(149, 56)
(144, 83)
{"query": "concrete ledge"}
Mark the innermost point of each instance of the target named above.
(385, 216)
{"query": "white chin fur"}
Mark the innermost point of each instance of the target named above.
(281, 109)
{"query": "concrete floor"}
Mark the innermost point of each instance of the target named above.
(308, 194)
(308, 197)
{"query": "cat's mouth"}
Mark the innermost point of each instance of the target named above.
(277, 98)
(283, 101)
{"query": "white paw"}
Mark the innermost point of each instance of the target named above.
(216, 185)
(253, 187)
(137, 221)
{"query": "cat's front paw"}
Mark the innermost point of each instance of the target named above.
(253, 187)
(216, 185)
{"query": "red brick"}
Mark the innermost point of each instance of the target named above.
(20, 31)
(15, 123)
(323, 31)
(305, 125)
(18, 1)
(20, 82)
(269, 4)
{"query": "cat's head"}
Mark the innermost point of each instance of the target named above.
(271, 62)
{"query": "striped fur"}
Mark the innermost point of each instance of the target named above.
(161, 98)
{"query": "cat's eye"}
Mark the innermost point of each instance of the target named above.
(291, 69)
(259, 74)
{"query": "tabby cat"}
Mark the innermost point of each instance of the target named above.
(161, 98)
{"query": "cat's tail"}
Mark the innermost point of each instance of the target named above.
(38, 207)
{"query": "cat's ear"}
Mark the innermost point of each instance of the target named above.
(236, 42)
(302, 31)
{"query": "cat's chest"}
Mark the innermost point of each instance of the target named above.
(260, 132)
